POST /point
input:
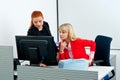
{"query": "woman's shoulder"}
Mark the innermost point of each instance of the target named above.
(32, 29)
(83, 40)
(45, 23)
(76, 39)
(79, 40)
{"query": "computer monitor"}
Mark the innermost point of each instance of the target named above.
(37, 49)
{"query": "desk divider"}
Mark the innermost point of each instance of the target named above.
(6, 63)
(39, 73)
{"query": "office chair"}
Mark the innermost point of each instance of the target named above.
(102, 53)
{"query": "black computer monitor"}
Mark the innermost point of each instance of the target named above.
(37, 49)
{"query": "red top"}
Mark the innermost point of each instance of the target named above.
(78, 49)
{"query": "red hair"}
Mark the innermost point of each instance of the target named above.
(34, 15)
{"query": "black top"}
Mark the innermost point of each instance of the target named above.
(35, 32)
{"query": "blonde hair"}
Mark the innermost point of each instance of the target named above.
(34, 15)
(67, 27)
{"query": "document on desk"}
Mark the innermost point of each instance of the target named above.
(102, 70)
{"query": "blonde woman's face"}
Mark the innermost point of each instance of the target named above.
(63, 34)
(38, 22)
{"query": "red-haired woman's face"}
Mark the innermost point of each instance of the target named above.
(38, 22)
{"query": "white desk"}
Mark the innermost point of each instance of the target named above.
(54, 73)
(97, 71)
(102, 70)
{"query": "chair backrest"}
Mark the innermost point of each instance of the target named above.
(103, 44)
(103, 49)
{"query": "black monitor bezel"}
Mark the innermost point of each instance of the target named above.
(49, 59)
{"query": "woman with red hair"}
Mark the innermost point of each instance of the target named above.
(39, 27)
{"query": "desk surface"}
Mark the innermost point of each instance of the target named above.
(102, 70)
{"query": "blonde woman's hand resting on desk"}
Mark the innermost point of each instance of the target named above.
(91, 57)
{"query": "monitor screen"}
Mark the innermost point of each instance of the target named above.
(36, 49)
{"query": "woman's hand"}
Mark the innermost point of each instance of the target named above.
(90, 61)
(62, 46)
(42, 65)
(57, 57)
(91, 57)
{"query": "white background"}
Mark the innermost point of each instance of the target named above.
(15, 18)
(92, 17)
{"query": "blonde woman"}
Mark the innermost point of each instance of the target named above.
(72, 47)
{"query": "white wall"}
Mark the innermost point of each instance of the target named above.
(15, 18)
(92, 17)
